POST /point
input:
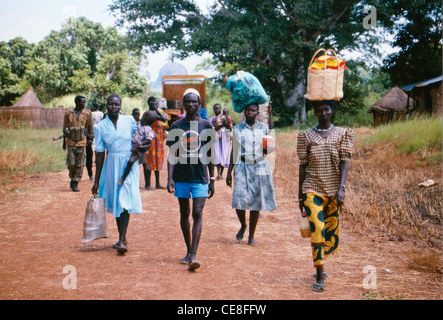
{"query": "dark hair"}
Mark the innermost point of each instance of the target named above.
(253, 104)
(114, 95)
(151, 98)
(148, 117)
(78, 98)
(316, 104)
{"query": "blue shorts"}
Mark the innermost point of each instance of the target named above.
(185, 189)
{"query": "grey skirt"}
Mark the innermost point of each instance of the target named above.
(253, 187)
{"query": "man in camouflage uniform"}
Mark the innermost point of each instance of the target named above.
(78, 130)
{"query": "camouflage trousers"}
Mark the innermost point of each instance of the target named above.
(75, 161)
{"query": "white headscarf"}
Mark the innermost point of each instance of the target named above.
(190, 90)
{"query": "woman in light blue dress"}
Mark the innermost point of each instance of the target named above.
(253, 182)
(114, 135)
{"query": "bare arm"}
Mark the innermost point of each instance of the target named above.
(170, 185)
(271, 118)
(344, 166)
(211, 182)
(99, 159)
(231, 166)
(160, 116)
(301, 179)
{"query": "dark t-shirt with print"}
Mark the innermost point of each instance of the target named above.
(191, 142)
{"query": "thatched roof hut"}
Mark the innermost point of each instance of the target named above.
(29, 99)
(28, 109)
(395, 105)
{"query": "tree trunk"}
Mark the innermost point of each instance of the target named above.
(294, 96)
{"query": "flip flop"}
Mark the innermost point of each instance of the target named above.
(239, 237)
(115, 245)
(122, 250)
(193, 265)
(185, 260)
(317, 287)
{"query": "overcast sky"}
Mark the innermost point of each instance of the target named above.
(35, 19)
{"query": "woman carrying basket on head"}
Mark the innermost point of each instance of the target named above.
(324, 153)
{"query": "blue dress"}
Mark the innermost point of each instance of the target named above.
(118, 144)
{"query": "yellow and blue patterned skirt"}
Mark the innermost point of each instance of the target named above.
(323, 215)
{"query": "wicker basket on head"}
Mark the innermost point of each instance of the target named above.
(327, 83)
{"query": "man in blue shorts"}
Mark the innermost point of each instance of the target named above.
(189, 160)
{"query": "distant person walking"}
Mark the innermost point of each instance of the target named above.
(155, 155)
(97, 116)
(220, 123)
(78, 130)
(253, 181)
(324, 153)
(114, 135)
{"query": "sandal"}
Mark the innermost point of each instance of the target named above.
(253, 243)
(193, 265)
(115, 245)
(318, 287)
(185, 260)
(121, 250)
(239, 236)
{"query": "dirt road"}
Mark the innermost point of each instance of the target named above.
(41, 233)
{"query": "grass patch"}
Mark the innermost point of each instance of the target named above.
(420, 135)
(27, 151)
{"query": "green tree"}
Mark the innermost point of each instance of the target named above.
(14, 56)
(83, 57)
(117, 73)
(419, 37)
(274, 39)
(9, 83)
(19, 52)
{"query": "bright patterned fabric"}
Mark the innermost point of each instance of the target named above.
(155, 154)
(323, 215)
(331, 63)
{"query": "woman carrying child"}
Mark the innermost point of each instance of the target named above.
(141, 139)
(114, 135)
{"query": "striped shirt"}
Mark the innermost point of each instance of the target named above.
(322, 158)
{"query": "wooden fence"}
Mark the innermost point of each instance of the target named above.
(33, 117)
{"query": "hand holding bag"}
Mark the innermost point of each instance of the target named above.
(94, 225)
(305, 229)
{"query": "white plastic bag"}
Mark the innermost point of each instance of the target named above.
(305, 229)
(94, 225)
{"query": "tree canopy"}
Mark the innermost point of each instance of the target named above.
(274, 39)
(83, 57)
(419, 39)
